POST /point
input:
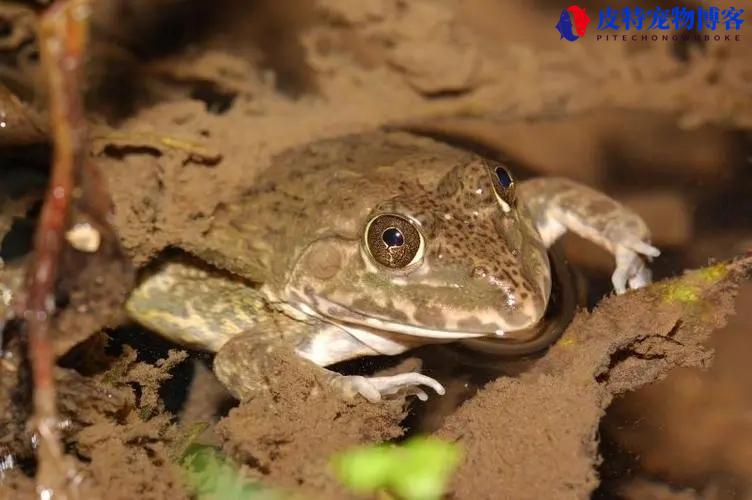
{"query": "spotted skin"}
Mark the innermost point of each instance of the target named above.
(307, 278)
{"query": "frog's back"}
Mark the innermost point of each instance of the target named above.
(324, 188)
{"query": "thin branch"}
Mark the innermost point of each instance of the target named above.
(63, 36)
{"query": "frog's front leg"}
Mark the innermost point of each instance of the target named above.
(246, 363)
(558, 205)
(209, 310)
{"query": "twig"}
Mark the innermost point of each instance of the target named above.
(63, 36)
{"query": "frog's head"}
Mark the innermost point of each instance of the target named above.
(455, 260)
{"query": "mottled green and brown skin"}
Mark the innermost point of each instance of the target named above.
(298, 270)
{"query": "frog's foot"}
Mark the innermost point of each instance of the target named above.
(374, 389)
(630, 265)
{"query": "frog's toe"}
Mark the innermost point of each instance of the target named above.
(644, 276)
(418, 392)
(351, 385)
(630, 269)
(644, 248)
(374, 389)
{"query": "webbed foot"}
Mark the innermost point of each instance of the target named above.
(375, 389)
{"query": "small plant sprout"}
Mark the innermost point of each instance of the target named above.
(418, 469)
(214, 477)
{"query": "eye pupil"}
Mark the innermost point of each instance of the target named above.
(504, 178)
(393, 237)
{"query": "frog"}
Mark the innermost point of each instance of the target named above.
(373, 244)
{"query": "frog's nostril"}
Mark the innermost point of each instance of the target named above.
(479, 272)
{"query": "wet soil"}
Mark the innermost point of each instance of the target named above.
(190, 127)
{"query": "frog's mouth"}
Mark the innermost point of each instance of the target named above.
(321, 308)
(520, 331)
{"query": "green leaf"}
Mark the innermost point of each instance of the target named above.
(214, 477)
(364, 470)
(417, 470)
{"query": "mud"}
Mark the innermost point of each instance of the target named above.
(517, 430)
(287, 437)
(112, 422)
(185, 130)
(692, 450)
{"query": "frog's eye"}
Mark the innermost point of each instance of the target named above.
(394, 241)
(504, 177)
(504, 185)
